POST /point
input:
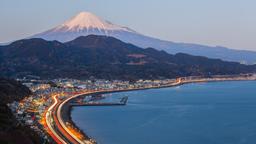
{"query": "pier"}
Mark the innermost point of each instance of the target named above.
(122, 102)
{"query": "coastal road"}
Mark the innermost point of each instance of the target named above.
(63, 124)
(56, 131)
(66, 134)
(56, 126)
(57, 138)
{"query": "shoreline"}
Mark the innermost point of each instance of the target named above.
(68, 108)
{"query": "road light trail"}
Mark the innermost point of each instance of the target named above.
(48, 118)
(59, 127)
(63, 124)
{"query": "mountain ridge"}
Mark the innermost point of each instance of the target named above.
(107, 58)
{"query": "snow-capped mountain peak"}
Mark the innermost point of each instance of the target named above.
(86, 21)
(84, 24)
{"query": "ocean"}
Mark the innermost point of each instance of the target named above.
(198, 113)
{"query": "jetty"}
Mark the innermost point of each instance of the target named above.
(122, 102)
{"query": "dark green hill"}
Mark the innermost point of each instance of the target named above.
(11, 132)
(11, 90)
(105, 57)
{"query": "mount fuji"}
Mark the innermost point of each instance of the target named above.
(86, 23)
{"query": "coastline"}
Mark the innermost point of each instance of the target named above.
(66, 113)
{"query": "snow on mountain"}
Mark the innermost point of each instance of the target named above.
(83, 24)
(86, 20)
(86, 23)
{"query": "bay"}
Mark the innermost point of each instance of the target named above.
(201, 113)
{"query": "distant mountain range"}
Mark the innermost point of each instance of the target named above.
(85, 24)
(107, 58)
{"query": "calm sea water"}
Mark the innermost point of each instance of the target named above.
(205, 113)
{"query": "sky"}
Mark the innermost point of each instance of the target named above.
(229, 23)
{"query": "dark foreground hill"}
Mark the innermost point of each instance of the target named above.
(105, 57)
(11, 131)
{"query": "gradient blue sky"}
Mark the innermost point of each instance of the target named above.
(230, 23)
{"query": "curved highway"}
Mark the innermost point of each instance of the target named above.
(48, 119)
(57, 132)
(63, 124)
(62, 133)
